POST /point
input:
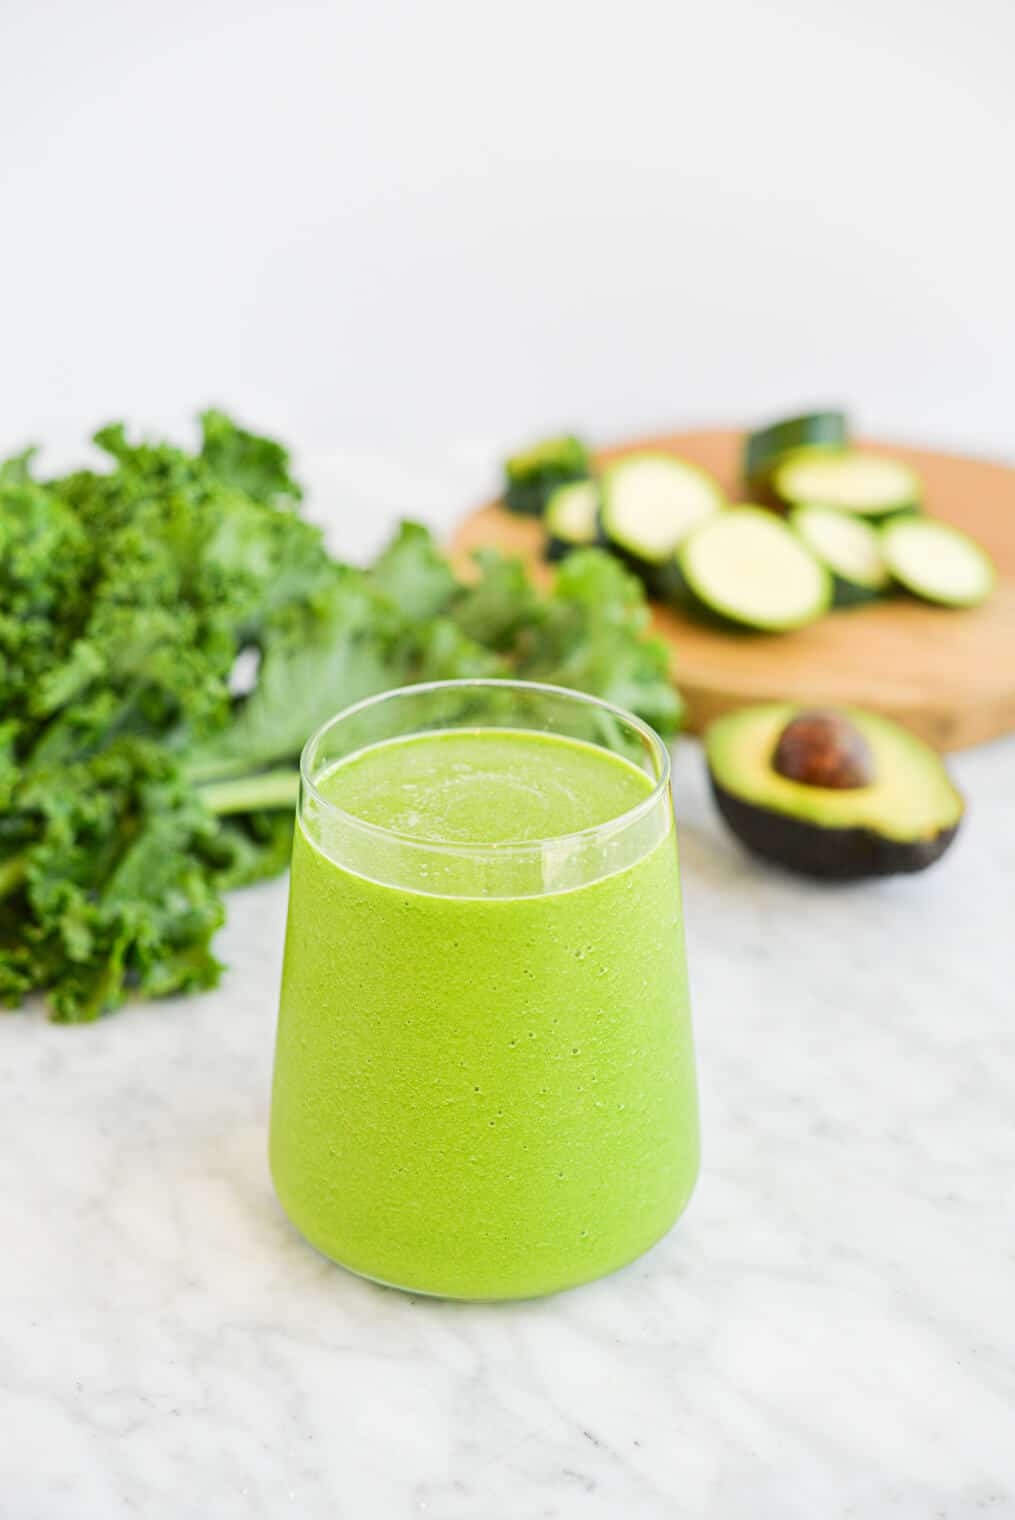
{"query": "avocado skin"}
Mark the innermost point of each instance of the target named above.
(831, 853)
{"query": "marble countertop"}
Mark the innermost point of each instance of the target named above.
(829, 1332)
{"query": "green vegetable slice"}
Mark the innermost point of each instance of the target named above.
(849, 547)
(571, 518)
(747, 567)
(867, 484)
(650, 503)
(766, 447)
(533, 474)
(937, 562)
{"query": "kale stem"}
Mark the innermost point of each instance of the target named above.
(251, 794)
(203, 773)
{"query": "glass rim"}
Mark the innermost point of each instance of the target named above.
(654, 743)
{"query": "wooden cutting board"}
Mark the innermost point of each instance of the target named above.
(947, 675)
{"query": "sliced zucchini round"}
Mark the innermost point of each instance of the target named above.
(531, 475)
(867, 484)
(571, 518)
(848, 547)
(748, 567)
(650, 502)
(935, 561)
(814, 430)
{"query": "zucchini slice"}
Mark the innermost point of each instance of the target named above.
(650, 503)
(571, 518)
(847, 546)
(935, 561)
(867, 484)
(765, 448)
(530, 476)
(748, 567)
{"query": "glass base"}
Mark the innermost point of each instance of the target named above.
(489, 1298)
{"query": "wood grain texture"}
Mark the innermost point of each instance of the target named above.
(947, 675)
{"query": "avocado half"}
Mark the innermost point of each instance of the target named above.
(902, 820)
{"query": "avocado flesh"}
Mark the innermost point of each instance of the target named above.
(904, 821)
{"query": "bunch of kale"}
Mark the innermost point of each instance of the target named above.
(136, 784)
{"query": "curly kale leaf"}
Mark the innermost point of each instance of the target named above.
(136, 784)
(588, 633)
(114, 890)
(257, 466)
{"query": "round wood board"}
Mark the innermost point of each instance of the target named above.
(947, 675)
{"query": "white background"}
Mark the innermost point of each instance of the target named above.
(406, 235)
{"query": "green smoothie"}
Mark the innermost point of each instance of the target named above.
(484, 1096)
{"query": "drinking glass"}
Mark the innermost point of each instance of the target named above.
(484, 1079)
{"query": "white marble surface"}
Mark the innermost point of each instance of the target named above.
(828, 1333)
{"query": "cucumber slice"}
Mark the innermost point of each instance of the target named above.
(814, 430)
(650, 503)
(866, 484)
(571, 518)
(530, 476)
(749, 568)
(847, 546)
(935, 561)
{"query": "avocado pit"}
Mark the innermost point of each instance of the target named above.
(824, 749)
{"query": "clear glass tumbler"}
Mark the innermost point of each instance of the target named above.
(484, 1077)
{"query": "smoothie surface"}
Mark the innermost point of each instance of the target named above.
(485, 786)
